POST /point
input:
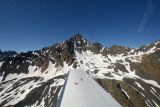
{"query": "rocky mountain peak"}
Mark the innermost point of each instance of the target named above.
(7, 54)
(150, 47)
(79, 40)
(77, 43)
(38, 76)
(78, 37)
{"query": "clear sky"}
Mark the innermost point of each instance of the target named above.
(34, 24)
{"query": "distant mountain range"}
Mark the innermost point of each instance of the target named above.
(35, 78)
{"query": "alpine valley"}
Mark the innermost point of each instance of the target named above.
(36, 78)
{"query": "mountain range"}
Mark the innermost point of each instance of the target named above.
(35, 78)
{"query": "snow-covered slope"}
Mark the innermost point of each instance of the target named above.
(131, 76)
(82, 91)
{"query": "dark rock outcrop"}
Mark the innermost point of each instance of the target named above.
(115, 49)
(7, 54)
(151, 64)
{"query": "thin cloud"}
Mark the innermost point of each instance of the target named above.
(147, 15)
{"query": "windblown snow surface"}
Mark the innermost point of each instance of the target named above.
(82, 91)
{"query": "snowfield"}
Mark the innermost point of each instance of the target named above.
(82, 91)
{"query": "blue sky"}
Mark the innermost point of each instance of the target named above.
(33, 24)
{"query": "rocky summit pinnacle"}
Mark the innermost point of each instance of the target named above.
(35, 78)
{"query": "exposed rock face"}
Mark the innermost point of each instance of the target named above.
(7, 54)
(151, 64)
(116, 89)
(104, 52)
(127, 93)
(58, 54)
(35, 78)
(96, 47)
(152, 46)
(43, 92)
(115, 49)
